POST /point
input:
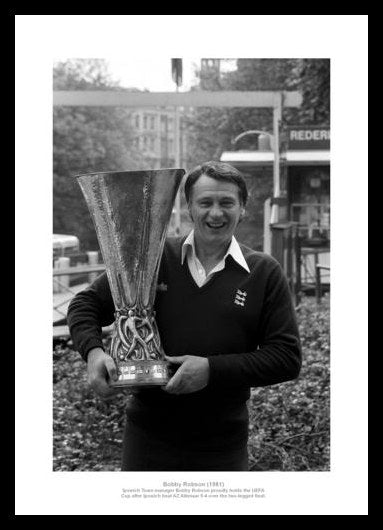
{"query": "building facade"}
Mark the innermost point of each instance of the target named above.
(154, 136)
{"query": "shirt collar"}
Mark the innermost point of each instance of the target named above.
(234, 250)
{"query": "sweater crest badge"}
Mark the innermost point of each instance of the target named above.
(240, 297)
(162, 287)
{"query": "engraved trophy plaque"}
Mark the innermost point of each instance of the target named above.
(131, 212)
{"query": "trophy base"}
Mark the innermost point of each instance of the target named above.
(142, 373)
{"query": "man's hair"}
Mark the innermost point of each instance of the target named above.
(217, 171)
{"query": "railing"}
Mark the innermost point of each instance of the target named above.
(286, 247)
(318, 282)
(75, 261)
(65, 273)
(69, 271)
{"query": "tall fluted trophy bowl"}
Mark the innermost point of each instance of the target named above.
(131, 212)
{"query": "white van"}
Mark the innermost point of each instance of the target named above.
(64, 245)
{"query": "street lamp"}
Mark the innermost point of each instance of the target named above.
(257, 133)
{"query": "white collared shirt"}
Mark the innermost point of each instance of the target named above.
(195, 266)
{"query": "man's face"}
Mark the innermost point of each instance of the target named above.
(215, 209)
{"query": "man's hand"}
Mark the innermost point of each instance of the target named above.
(192, 375)
(101, 369)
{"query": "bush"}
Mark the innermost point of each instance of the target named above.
(289, 423)
(87, 430)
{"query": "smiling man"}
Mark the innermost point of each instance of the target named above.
(227, 324)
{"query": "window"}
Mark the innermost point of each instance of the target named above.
(164, 124)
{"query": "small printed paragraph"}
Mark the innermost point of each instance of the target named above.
(193, 490)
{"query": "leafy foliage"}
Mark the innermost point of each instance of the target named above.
(289, 423)
(312, 78)
(87, 429)
(211, 130)
(86, 140)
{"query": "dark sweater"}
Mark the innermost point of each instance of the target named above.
(243, 323)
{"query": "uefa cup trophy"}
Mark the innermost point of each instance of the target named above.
(131, 211)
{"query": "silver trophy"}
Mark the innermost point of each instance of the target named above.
(131, 211)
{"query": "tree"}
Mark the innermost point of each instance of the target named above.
(86, 139)
(312, 78)
(211, 130)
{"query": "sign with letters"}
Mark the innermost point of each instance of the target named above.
(308, 137)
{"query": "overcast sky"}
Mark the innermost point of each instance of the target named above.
(155, 74)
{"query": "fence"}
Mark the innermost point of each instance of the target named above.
(71, 274)
(75, 269)
(318, 281)
(295, 260)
